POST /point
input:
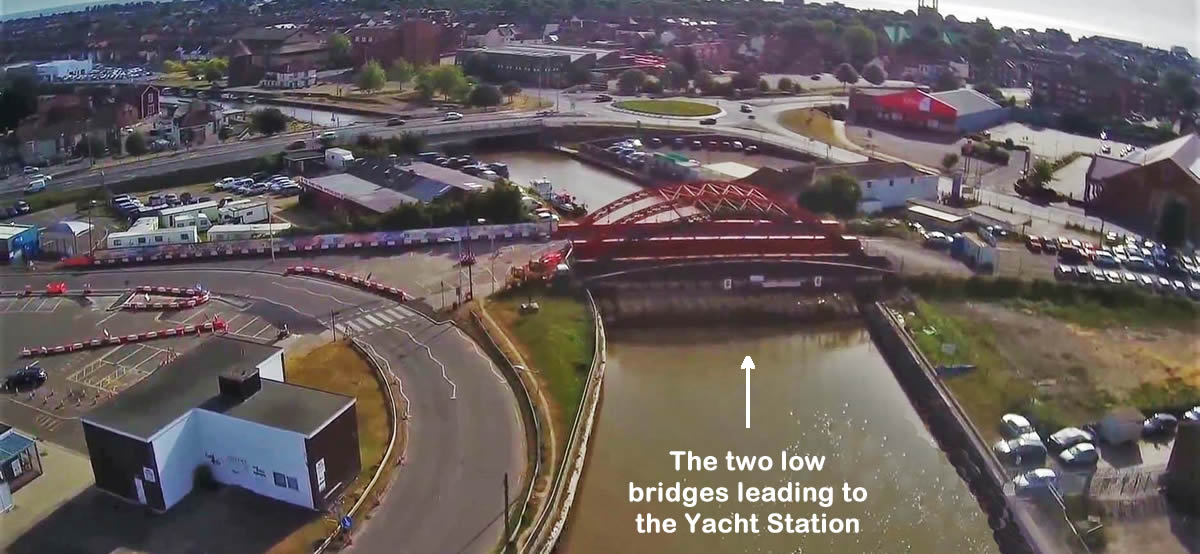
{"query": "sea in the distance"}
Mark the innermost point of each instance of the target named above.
(1161, 23)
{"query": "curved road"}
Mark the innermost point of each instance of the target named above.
(464, 428)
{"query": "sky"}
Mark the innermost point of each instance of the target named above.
(1161, 23)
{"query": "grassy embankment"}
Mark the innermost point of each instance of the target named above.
(337, 367)
(557, 342)
(680, 108)
(1060, 354)
(811, 123)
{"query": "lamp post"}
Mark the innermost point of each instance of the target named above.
(91, 230)
(470, 256)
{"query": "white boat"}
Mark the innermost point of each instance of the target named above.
(543, 187)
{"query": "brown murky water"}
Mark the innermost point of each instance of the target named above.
(826, 392)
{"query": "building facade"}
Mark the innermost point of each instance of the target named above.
(18, 243)
(956, 111)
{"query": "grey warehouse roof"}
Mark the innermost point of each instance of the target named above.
(967, 101)
(190, 382)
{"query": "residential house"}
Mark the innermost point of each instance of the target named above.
(254, 50)
(289, 76)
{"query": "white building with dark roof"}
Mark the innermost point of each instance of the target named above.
(224, 406)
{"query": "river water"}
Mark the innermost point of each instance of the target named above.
(592, 186)
(814, 392)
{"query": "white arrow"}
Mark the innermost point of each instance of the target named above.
(747, 365)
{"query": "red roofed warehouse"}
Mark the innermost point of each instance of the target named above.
(954, 111)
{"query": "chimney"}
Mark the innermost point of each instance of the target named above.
(238, 385)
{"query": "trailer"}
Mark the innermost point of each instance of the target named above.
(243, 211)
(167, 216)
(247, 232)
(977, 253)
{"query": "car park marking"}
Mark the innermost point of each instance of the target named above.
(248, 323)
(265, 328)
(47, 422)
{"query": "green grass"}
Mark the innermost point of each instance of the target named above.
(669, 107)
(558, 342)
(810, 122)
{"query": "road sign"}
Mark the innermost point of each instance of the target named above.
(346, 522)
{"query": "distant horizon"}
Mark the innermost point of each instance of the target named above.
(1170, 23)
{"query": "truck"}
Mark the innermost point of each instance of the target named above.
(977, 253)
(243, 211)
(338, 158)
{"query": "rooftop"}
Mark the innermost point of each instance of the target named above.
(10, 230)
(13, 444)
(361, 191)
(869, 171)
(545, 51)
(935, 214)
(190, 382)
(967, 101)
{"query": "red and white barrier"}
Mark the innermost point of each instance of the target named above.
(373, 286)
(184, 330)
(188, 298)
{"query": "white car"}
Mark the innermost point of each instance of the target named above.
(225, 184)
(1070, 436)
(1084, 453)
(1015, 425)
(1037, 479)
(452, 116)
(1192, 414)
(36, 185)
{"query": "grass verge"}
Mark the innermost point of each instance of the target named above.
(557, 341)
(337, 367)
(811, 123)
(681, 108)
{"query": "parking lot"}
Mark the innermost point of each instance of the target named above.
(79, 381)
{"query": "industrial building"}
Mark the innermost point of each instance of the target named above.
(223, 409)
(548, 65)
(18, 242)
(377, 186)
(884, 185)
(145, 231)
(57, 69)
(955, 111)
(1147, 187)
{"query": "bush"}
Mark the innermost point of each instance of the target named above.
(485, 95)
(269, 121)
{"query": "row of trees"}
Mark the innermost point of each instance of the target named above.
(211, 70)
(448, 81)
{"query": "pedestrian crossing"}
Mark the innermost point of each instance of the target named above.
(370, 322)
(48, 422)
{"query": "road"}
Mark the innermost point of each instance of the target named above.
(464, 430)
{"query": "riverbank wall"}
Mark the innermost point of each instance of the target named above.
(651, 308)
(949, 426)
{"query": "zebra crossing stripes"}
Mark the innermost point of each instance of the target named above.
(48, 422)
(373, 321)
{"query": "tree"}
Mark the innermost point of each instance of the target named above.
(949, 161)
(786, 84)
(764, 86)
(91, 145)
(630, 81)
(705, 81)
(448, 80)
(172, 66)
(401, 71)
(510, 89)
(371, 77)
(860, 44)
(747, 78)
(991, 91)
(652, 86)
(690, 62)
(578, 75)
(1042, 173)
(211, 73)
(948, 80)
(339, 49)
(18, 99)
(485, 95)
(837, 194)
(269, 121)
(135, 144)
(674, 76)
(874, 74)
(846, 74)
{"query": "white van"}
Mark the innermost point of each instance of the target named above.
(36, 185)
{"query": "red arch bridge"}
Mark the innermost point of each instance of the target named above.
(689, 228)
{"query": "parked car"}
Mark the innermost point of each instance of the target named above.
(394, 122)
(1081, 454)
(752, 149)
(1033, 244)
(1192, 414)
(21, 206)
(938, 240)
(603, 98)
(708, 121)
(1159, 425)
(1020, 451)
(25, 379)
(746, 108)
(696, 145)
(1070, 436)
(35, 186)
(1015, 425)
(1064, 271)
(1071, 255)
(1037, 479)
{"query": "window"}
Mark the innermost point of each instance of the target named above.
(116, 242)
(280, 479)
(293, 484)
(158, 238)
(183, 236)
(141, 240)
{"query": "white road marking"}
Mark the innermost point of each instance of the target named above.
(200, 311)
(53, 306)
(373, 319)
(302, 289)
(358, 326)
(134, 353)
(263, 330)
(400, 313)
(26, 304)
(479, 352)
(453, 387)
(40, 304)
(248, 323)
(384, 316)
(388, 366)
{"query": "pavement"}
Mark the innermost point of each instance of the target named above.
(65, 474)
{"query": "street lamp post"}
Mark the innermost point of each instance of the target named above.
(91, 230)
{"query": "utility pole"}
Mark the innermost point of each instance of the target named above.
(506, 523)
(333, 323)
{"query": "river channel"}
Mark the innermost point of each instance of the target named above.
(814, 392)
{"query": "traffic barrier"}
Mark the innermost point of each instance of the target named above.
(183, 330)
(360, 282)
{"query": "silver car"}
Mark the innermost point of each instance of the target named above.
(1070, 436)
(1081, 454)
